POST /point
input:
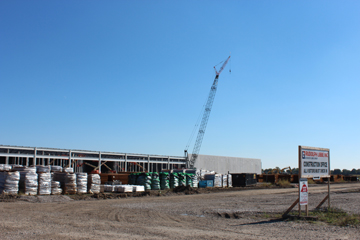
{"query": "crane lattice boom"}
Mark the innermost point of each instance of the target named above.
(205, 117)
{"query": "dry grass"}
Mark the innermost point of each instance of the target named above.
(283, 183)
(335, 216)
(311, 181)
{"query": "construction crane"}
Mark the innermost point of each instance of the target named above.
(205, 118)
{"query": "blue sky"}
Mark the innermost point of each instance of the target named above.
(131, 76)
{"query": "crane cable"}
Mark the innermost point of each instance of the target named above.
(195, 127)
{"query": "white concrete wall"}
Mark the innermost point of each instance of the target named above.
(224, 165)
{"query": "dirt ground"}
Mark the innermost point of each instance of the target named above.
(238, 214)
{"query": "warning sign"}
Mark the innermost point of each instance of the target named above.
(303, 183)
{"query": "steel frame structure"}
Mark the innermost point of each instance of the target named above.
(120, 162)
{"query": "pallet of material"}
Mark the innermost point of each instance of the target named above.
(138, 188)
(123, 188)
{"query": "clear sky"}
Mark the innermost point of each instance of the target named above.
(132, 76)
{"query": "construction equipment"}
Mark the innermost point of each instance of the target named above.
(205, 118)
(282, 170)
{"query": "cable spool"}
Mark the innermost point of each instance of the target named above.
(44, 184)
(81, 182)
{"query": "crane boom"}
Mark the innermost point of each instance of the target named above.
(206, 115)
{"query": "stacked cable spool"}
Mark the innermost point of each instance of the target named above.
(67, 181)
(164, 180)
(70, 186)
(182, 179)
(56, 188)
(9, 182)
(68, 170)
(195, 181)
(28, 181)
(188, 179)
(56, 168)
(144, 179)
(5, 167)
(224, 180)
(174, 180)
(55, 185)
(229, 180)
(155, 181)
(44, 178)
(94, 182)
(82, 182)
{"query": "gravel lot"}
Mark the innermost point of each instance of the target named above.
(220, 215)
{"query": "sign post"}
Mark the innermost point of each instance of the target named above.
(313, 163)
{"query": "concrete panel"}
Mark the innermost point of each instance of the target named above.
(224, 165)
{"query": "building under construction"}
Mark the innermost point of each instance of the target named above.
(114, 162)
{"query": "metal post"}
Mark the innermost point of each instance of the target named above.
(299, 174)
(126, 163)
(70, 159)
(7, 157)
(149, 167)
(329, 181)
(99, 162)
(35, 156)
(168, 165)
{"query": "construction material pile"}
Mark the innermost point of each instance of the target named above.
(132, 178)
(138, 188)
(164, 180)
(145, 180)
(188, 179)
(44, 183)
(195, 181)
(68, 170)
(9, 182)
(56, 169)
(94, 182)
(229, 180)
(181, 179)
(217, 178)
(123, 188)
(28, 183)
(55, 187)
(67, 181)
(44, 180)
(81, 182)
(5, 167)
(70, 186)
(174, 180)
(155, 181)
(224, 180)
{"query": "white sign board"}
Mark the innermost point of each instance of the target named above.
(303, 188)
(314, 163)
